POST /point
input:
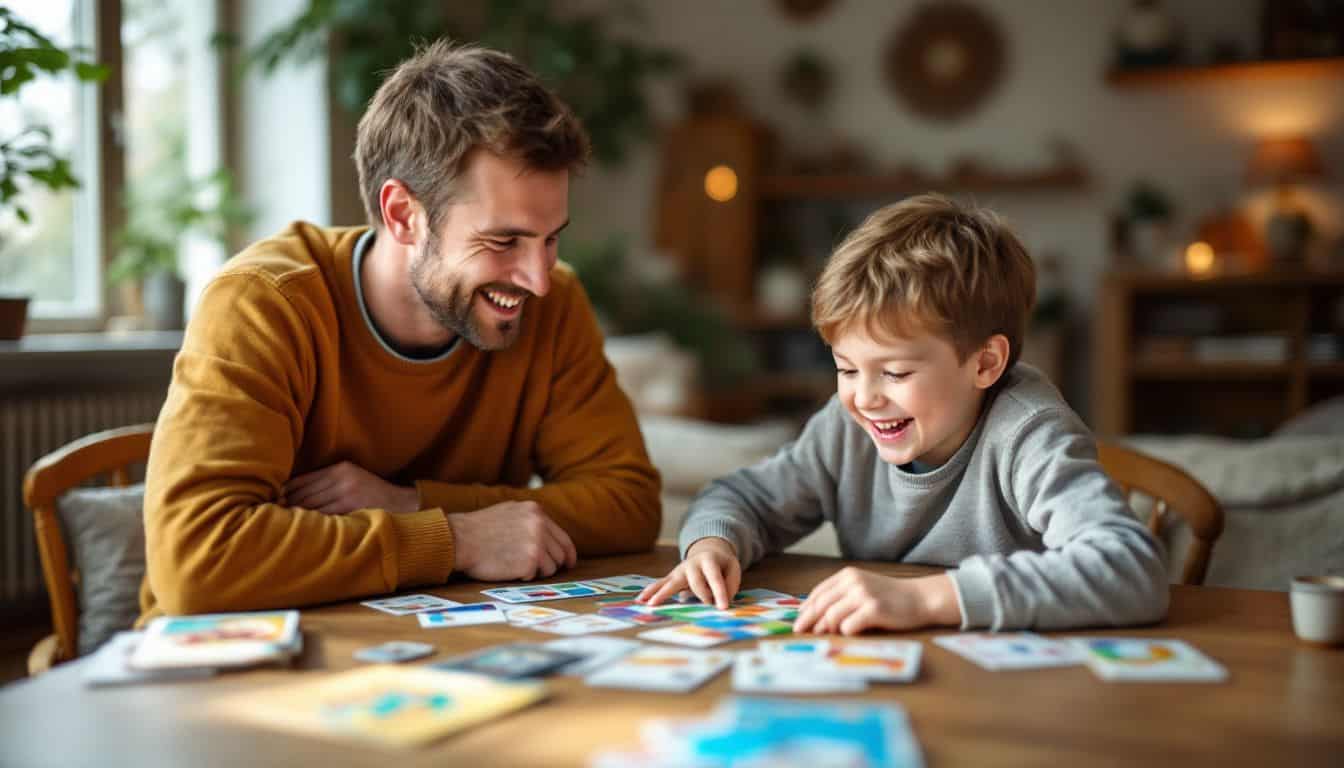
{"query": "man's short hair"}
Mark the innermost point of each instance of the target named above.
(929, 264)
(446, 101)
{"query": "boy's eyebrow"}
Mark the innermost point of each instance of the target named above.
(912, 358)
(518, 231)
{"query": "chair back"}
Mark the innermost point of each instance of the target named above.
(1173, 491)
(110, 454)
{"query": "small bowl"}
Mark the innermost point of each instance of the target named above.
(1318, 609)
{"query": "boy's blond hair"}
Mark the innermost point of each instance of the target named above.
(447, 100)
(929, 264)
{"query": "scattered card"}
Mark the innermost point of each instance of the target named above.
(390, 705)
(394, 652)
(531, 615)
(755, 672)
(218, 640)
(631, 583)
(597, 652)
(511, 661)
(1020, 650)
(533, 593)
(583, 624)
(676, 670)
(877, 661)
(688, 635)
(406, 605)
(109, 665)
(1141, 658)
(462, 616)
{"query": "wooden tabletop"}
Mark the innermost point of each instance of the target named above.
(1284, 703)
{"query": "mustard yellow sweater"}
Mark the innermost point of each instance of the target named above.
(281, 374)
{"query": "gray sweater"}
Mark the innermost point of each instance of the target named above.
(1039, 536)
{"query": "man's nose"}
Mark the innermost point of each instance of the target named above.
(534, 270)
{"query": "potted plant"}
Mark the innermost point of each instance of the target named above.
(1148, 214)
(27, 157)
(160, 214)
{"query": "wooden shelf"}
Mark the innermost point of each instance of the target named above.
(859, 186)
(1159, 281)
(1207, 371)
(1249, 70)
(1333, 370)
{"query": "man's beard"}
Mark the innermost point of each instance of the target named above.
(454, 312)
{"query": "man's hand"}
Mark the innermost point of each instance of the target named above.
(711, 571)
(508, 541)
(344, 487)
(853, 600)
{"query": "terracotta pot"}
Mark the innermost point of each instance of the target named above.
(13, 317)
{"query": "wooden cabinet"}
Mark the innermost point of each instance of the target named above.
(1233, 354)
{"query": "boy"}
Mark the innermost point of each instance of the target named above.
(938, 448)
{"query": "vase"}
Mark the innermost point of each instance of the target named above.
(165, 299)
(13, 317)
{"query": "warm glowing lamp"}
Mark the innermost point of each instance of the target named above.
(1285, 162)
(1199, 258)
(721, 183)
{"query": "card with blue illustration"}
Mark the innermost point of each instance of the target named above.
(1011, 650)
(1148, 659)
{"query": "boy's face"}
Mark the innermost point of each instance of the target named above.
(911, 395)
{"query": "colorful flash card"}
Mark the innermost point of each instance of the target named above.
(630, 583)
(531, 615)
(217, 640)
(1020, 650)
(583, 624)
(406, 605)
(755, 672)
(690, 635)
(534, 593)
(1141, 658)
(390, 705)
(462, 616)
(676, 670)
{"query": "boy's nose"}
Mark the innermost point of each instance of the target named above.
(868, 393)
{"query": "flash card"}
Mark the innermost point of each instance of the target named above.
(393, 652)
(406, 605)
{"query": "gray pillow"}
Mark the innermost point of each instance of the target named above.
(1323, 418)
(105, 535)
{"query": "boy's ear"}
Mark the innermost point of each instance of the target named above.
(403, 217)
(991, 361)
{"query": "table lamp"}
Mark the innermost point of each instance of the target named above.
(1284, 162)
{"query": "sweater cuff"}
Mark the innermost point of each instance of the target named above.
(424, 547)
(975, 595)
(705, 529)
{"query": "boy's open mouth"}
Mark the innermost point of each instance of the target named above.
(890, 430)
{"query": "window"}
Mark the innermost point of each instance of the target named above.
(55, 258)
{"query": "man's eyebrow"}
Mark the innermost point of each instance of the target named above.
(518, 231)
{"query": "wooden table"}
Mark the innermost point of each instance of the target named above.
(1284, 704)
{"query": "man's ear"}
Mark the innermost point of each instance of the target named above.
(991, 360)
(403, 216)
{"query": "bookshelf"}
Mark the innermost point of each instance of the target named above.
(1230, 72)
(1231, 354)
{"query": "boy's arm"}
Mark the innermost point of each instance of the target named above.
(768, 506)
(223, 447)
(1101, 568)
(600, 486)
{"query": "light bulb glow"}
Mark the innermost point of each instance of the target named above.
(1199, 258)
(721, 183)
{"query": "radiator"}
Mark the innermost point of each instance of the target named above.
(30, 427)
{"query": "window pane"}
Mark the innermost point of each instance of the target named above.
(155, 53)
(54, 258)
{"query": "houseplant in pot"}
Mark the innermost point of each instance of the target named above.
(27, 156)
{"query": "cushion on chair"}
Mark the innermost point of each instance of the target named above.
(105, 535)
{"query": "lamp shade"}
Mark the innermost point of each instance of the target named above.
(1282, 160)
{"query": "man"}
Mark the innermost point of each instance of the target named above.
(359, 410)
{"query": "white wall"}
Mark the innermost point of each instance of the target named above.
(283, 131)
(1193, 139)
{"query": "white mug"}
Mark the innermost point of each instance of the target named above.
(1318, 608)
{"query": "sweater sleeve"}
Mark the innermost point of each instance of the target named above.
(599, 485)
(766, 507)
(223, 447)
(1101, 567)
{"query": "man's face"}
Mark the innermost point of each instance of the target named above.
(496, 249)
(912, 396)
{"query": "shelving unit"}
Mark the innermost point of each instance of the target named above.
(1238, 71)
(1149, 377)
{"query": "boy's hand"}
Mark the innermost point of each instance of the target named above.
(854, 600)
(711, 571)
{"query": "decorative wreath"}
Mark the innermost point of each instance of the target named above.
(946, 59)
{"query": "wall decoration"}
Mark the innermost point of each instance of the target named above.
(1147, 37)
(946, 60)
(806, 79)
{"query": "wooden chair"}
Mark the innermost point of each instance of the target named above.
(1173, 490)
(110, 453)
